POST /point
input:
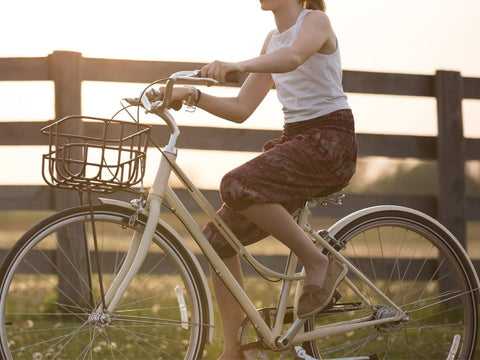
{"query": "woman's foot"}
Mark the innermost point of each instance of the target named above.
(316, 269)
(316, 298)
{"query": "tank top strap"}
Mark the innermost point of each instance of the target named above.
(300, 19)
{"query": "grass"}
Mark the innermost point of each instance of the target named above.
(28, 330)
(42, 321)
(263, 293)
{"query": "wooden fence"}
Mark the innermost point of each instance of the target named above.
(450, 148)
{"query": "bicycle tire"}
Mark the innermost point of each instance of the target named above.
(421, 266)
(44, 314)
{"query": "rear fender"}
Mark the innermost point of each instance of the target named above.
(335, 228)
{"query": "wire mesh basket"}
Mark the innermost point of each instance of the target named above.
(100, 155)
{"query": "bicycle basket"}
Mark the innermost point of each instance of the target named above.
(102, 155)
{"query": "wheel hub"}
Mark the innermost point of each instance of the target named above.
(386, 312)
(100, 319)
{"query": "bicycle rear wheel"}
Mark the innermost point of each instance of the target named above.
(50, 293)
(418, 265)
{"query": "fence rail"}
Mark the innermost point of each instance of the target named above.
(450, 148)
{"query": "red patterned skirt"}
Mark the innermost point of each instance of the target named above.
(310, 157)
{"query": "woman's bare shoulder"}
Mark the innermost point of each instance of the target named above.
(267, 41)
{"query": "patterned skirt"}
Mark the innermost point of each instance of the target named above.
(310, 157)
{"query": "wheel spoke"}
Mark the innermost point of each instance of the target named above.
(415, 263)
(46, 320)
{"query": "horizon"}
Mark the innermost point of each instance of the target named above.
(398, 36)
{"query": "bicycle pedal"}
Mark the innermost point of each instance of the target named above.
(336, 296)
(299, 354)
(333, 302)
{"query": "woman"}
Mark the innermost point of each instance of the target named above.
(317, 150)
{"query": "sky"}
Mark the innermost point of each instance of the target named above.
(391, 35)
(403, 36)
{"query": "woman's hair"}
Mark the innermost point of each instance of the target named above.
(314, 4)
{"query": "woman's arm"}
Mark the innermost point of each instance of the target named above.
(316, 35)
(239, 108)
(236, 109)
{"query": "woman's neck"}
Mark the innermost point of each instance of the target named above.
(286, 16)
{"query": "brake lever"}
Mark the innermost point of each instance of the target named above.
(143, 102)
(133, 101)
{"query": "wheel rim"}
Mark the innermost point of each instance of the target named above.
(42, 319)
(418, 268)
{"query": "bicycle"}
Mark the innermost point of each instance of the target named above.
(137, 290)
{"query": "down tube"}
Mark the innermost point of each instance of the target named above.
(216, 262)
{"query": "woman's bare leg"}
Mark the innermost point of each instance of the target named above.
(277, 221)
(231, 313)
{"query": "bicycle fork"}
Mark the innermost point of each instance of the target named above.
(141, 243)
(134, 258)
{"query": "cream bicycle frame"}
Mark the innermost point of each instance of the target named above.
(139, 247)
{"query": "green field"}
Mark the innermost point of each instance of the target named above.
(263, 294)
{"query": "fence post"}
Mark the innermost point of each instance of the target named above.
(66, 71)
(452, 202)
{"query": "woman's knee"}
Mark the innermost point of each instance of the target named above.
(230, 190)
(218, 242)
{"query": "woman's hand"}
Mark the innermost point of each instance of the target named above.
(154, 95)
(179, 94)
(218, 70)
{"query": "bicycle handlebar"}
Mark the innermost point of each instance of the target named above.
(182, 77)
(192, 77)
(159, 107)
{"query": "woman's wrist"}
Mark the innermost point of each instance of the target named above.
(241, 66)
(192, 98)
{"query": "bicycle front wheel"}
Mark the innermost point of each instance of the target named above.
(420, 266)
(51, 304)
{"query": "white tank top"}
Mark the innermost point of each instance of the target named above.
(315, 87)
